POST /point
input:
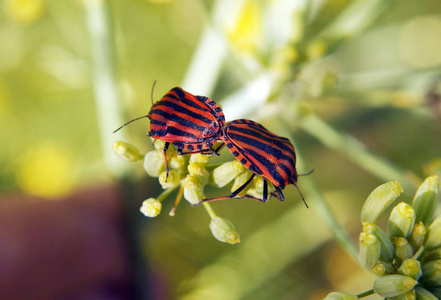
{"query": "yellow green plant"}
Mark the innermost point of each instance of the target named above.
(407, 259)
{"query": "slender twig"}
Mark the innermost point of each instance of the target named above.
(209, 210)
(320, 205)
(365, 294)
(165, 194)
(322, 208)
(107, 100)
(419, 253)
(357, 152)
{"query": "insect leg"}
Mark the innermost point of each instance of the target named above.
(265, 190)
(164, 151)
(280, 195)
(228, 197)
(219, 148)
(209, 151)
(234, 194)
(242, 187)
(205, 151)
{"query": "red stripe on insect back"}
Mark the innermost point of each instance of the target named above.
(191, 123)
(263, 153)
(266, 154)
(177, 115)
(186, 121)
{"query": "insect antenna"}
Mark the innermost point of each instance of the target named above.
(302, 196)
(153, 88)
(130, 122)
(306, 174)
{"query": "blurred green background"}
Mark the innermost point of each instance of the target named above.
(354, 84)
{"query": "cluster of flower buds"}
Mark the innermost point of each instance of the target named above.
(191, 175)
(407, 258)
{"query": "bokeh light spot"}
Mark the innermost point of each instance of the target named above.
(420, 42)
(25, 11)
(45, 171)
(245, 36)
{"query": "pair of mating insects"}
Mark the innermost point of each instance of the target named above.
(195, 123)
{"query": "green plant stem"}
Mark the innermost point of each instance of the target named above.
(322, 208)
(352, 148)
(419, 253)
(356, 17)
(365, 294)
(165, 194)
(104, 78)
(210, 210)
(320, 205)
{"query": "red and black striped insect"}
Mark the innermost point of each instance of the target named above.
(190, 123)
(263, 153)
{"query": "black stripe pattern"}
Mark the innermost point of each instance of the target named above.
(262, 152)
(185, 120)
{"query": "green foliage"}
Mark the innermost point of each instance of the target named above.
(354, 84)
(412, 262)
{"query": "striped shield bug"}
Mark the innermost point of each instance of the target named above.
(263, 153)
(190, 123)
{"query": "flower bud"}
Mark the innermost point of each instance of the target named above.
(224, 231)
(200, 158)
(154, 163)
(256, 189)
(410, 295)
(416, 238)
(423, 294)
(383, 268)
(173, 180)
(436, 291)
(126, 152)
(158, 144)
(403, 250)
(379, 200)
(431, 273)
(178, 163)
(379, 269)
(401, 220)
(425, 200)
(198, 171)
(225, 173)
(193, 190)
(254, 193)
(369, 227)
(387, 248)
(433, 239)
(393, 285)
(258, 183)
(369, 250)
(151, 207)
(240, 180)
(339, 296)
(432, 255)
(412, 268)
